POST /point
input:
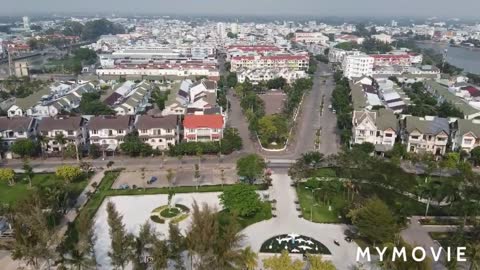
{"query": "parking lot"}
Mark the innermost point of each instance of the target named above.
(183, 176)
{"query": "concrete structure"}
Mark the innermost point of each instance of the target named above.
(377, 127)
(465, 135)
(311, 37)
(203, 128)
(159, 132)
(13, 129)
(426, 134)
(71, 129)
(357, 66)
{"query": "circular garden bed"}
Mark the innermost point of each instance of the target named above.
(174, 213)
(293, 243)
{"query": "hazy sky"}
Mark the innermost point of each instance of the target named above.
(378, 8)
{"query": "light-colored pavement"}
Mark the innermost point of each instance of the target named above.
(287, 221)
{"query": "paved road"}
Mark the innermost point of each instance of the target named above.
(287, 221)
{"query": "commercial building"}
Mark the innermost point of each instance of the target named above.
(357, 66)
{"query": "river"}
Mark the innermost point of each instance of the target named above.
(468, 59)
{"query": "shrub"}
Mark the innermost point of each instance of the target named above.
(179, 218)
(182, 207)
(157, 219)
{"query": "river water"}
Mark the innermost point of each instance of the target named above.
(466, 58)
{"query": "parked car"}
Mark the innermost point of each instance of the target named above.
(124, 186)
(152, 180)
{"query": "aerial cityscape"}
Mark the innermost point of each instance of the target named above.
(236, 135)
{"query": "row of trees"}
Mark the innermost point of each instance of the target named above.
(342, 104)
(92, 30)
(230, 142)
(425, 104)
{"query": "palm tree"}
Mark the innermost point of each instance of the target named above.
(43, 143)
(170, 176)
(249, 259)
(473, 253)
(60, 139)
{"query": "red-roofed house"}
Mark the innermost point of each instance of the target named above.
(203, 127)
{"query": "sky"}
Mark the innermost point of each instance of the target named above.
(377, 8)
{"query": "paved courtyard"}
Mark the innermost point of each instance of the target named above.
(184, 176)
(287, 221)
(135, 211)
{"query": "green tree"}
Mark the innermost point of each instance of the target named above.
(374, 221)
(473, 254)
(365, 147)
(94, 151)
(68, 173)
(24, 148)
(317, 263)
(170, 177)
(251, 167)
(249, 259)
(121, 241)
(241, 199)
(231, 141)
(82, 255)
(176, 245)
(28, 171)
(272, 129)
(283, 262)
(160, 254)
(142, 246)
(475, 155)
(92, 105)
(134, 146)
(7, 175)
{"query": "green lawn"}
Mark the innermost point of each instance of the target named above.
(265, 213)
(21, 189)
(317, 211)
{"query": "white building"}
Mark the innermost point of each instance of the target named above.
(383, 38)
(71, 129)
(159, 132)
(109, 131)
(13, 129)
(336, 55)
(426, 134)
(311, 37)
(466, 135)
(377, 127)
(202, 128)
(357, 66)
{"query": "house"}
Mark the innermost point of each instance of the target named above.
(135, 101)
(377, 127)
(426, 134)
(465, 134)
(158, 131)
(54, 130)
(203, 127)
(13, 129)
(109, 131)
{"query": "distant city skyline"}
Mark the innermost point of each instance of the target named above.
(377, 8)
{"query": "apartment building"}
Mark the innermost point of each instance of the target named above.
(357, 66)
(311, 37)
(377, 127)
(158, 131)
(391, 59)
(203, 128)
(336, 55)
(465, 134)
(58, 132)
(13, 129)
(293, 62)
(426, 134)
(109, 131)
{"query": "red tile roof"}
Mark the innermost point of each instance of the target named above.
(390, 56)
(201, 121)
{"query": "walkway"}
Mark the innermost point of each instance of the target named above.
(287, 221)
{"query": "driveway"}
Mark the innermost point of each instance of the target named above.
(287, 221)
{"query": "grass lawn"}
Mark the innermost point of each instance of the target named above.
(317, 211)
(21, 189)
(265, 213)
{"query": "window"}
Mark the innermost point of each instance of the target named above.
(168, 131)
(70, 132)
(141, 131)
(389, 135)
(94, 131)
(20, 133)
(467, 141)
(372, 133)
(414, 137)
(120, 131)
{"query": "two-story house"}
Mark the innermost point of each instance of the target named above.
(377, 127)
(109, 131)
(13, 129)
(60, 131)
(203, 127)
(465, 134)
(158, 131)
(426, 134)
